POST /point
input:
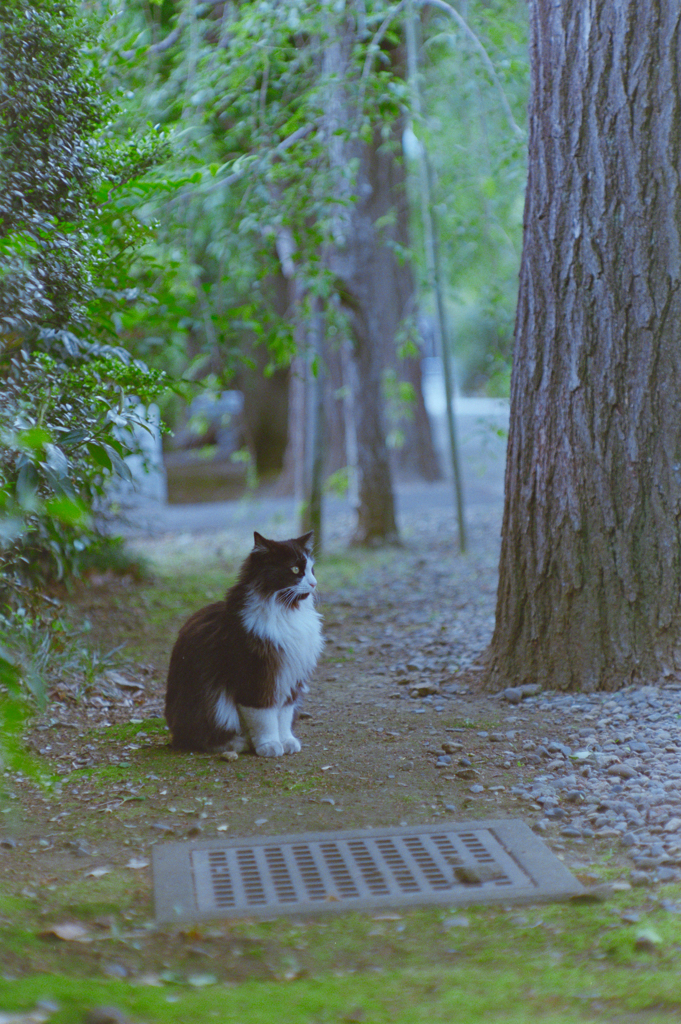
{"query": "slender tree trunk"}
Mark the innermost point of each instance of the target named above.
(360, 266)
(590, 572)
(376, 521)
(394, 296)
(377, 291)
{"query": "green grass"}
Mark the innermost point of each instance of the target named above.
(479, 984)
(126, 732)
(558, 964)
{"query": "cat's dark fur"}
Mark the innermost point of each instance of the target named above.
(239, 666)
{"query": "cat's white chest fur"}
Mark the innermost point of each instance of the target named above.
(297, 632)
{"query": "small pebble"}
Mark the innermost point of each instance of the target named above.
(450, 747)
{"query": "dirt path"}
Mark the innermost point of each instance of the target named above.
(396, 730)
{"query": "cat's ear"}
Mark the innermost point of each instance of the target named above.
(306, 541)
(260, 543)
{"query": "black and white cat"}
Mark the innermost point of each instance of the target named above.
(239, 666)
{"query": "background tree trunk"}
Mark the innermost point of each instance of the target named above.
(394, 294)
(266, 396)
(590, 571)
(361, 262)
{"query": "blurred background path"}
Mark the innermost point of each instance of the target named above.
(481, 428)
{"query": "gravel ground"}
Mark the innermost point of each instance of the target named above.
(614, 774)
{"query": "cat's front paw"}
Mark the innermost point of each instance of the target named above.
(271, 748)
(291, 745)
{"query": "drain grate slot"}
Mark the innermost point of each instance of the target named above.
(359, 870)
(309, 872)
(427, 860)
(339, 870)
(395, 864)
(280, 875)
(371, 874)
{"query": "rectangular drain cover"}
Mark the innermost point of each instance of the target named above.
(451, 864)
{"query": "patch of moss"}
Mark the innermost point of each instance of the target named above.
(467, 993)
(125, 732)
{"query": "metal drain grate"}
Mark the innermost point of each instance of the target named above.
(478, 862)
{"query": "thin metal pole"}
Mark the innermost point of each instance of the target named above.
(314, 454)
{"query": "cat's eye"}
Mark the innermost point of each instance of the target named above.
(295, 569)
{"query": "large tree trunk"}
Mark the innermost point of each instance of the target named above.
(590, 572)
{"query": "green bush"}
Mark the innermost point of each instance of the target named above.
(60, 441)
(71, 186)
(68, 236)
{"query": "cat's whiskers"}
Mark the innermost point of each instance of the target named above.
(291, 597)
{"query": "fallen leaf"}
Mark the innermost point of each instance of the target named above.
(97, 872)
(201, 980)
(647, 940)
(137, 863)
(153, 980)
(121, 681)
(293, 974)
(36, 1017)
(67, 931)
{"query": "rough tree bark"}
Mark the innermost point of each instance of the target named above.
(590, 571)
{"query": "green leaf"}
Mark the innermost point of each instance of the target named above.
(69, 511)
(56, 460)
(9, 671)
(100, 455)
(35, 438)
